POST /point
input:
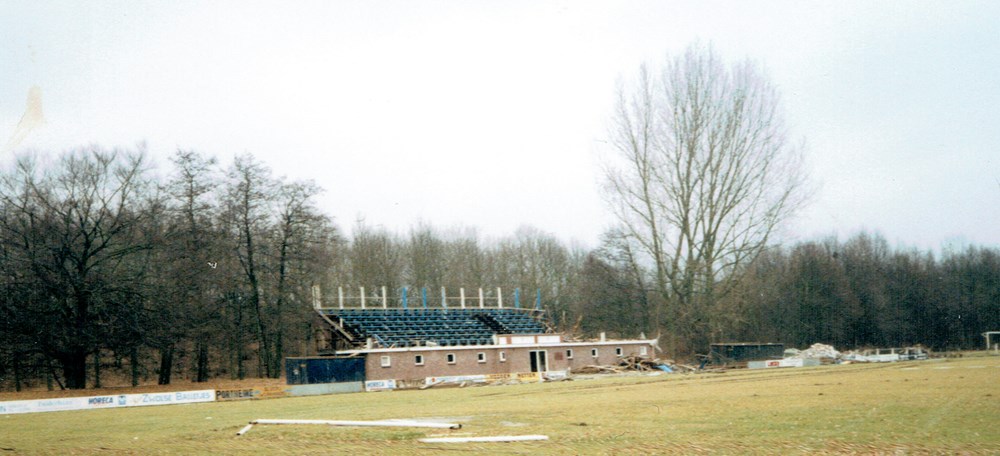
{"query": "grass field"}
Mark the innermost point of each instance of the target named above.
(937, 406)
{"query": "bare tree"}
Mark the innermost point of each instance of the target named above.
(376, 258)
(73, 235)
(248, 201)
(300, 227)
(702, 176)
(194, 246)
(425, 257)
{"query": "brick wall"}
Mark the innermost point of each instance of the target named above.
(403, 365)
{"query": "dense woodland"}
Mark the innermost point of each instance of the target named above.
(113, 268)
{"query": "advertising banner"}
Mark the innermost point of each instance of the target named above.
(99, 402)
(237, 394)
(380, 385)
(179, 397)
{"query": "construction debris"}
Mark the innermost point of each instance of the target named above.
(637, 364)
(819, 351)
(883, 355)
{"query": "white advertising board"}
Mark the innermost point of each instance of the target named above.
(179, 397)
(110, 401)
(380, 385)
(455, 379)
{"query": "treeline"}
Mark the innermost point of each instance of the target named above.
(206, 270)
(106, 265)
(858, 293)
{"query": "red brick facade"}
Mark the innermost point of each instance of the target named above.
(476, 360)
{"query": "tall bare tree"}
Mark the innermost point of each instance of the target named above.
(248, 201)
(73, 233)
(193, 248)
(701, 177)
(301, 228)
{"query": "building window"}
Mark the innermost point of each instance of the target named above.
(569, 354)
(618, 351)
(481, 357)
(418, 360)
(451, 358)
(642, 351)
(593, 352)
(386, 361)
(503, 357)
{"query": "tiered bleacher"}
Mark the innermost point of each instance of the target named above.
(421, 327)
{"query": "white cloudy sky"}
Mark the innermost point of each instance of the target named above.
(491, 114)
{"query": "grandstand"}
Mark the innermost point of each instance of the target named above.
(378, 339)
(431, 327)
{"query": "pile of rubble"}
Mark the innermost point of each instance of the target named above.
(636, 364)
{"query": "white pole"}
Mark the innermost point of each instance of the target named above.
(340, 296)
(461, 292)
(444, 299)
(385, 303)
(480, 297)
(499, 298)
(362, 297)
(385, 423)
(317, 304)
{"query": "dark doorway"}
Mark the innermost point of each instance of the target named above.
(538, 361)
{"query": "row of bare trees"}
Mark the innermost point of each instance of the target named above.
(427, 257)
(851, 294)
(104, 263)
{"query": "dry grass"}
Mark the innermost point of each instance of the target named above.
(940, 406)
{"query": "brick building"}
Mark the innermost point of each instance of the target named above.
(419, 344)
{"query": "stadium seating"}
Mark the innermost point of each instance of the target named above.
(418, 327)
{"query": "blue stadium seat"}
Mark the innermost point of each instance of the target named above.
(410, 327)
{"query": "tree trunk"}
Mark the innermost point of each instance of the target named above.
(264, 348)
(241, 370)
(17, 371)
(49, 384)
(97, 368)
(133, 362)
(166, 364)
(74, 366)
(202, 363)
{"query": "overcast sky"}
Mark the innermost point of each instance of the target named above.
(492, 114)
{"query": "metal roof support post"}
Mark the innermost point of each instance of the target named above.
(385, 301)
(461, 293)
(340, 296)
(404, 297)
(499, 298)
(362, 297)
(481, 305)
(423, 295)
(444, 299)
